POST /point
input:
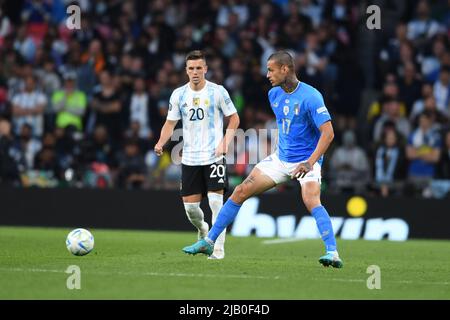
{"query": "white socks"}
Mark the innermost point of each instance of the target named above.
(216, 203)
(197, 218)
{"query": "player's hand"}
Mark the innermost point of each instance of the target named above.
(158, 149)
(221, 149)
(301, 170)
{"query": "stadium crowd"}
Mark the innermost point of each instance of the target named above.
(84, 107)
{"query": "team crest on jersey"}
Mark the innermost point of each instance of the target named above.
(206, 103)
(286, 110)
(296, 109)
(196, 102)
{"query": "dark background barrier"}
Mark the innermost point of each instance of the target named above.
(270, 214)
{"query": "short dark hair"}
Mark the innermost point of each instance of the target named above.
(283, 58)
(195, 55)
(387, 99)
(427, 113)
(445, 68)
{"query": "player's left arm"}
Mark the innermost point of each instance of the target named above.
(326, 137)
(322, 120)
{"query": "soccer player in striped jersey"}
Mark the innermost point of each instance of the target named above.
(304, 134)
(201, 105)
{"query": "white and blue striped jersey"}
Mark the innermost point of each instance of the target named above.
(202, 115)
(29, 100)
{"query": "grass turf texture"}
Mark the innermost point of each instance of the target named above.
(151, 265)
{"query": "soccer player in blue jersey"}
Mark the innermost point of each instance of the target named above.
(305, 133)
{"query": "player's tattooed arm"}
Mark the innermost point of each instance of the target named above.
(301, 170)
(249, 180)
(326, 137)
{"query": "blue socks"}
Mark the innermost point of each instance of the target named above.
(230, 210)
(226, 216)
(325, 228)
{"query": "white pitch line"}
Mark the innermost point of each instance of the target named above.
(239, 276)
(277, 241)
(155, 274)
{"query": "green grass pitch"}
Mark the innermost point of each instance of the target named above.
(151, 265)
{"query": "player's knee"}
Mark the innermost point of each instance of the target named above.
(311, 202)
(240, 194)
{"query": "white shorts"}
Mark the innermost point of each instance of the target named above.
(280, 171)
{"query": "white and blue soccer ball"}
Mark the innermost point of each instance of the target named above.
(80, 242)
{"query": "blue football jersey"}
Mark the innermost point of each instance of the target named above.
(299, 115)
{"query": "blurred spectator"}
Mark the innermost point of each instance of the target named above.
(441, 89)
(67, 146)
(26, 147)
(9, 172)
(97, 148)
(140, 109)
(409, 86)
(443, 166)
(24, 44)
(312, 10)
(316, 69)
(107, 106)
(15, 80)
(419, 105)
(440, 118)
(432, 60)
(46, 158)
(49, 82)
(5, 26)
(145, 144)
(132, 168)
(349, 166)
(36, 11)
(423, 151)
(48, 78)
(389, 163)
(391, 113)
(94, 56)
(390, 53)
(86, 77)
(28, 107)
(69, 104)
(423, 27)
(390, 91)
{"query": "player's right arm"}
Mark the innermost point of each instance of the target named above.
(166, 133)
(173, 115)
